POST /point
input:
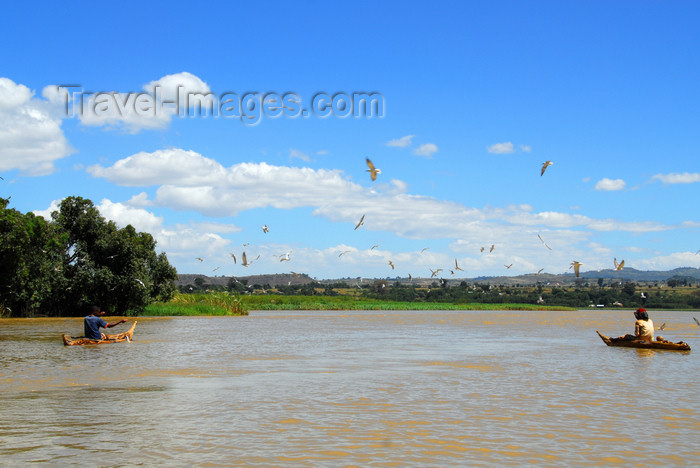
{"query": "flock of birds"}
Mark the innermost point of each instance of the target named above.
(373, 172)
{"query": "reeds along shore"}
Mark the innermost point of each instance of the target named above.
(225, 304)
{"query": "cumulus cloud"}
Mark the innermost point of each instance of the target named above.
(172, 86)
(427, 150)
(153, 108)
(501, 148)
(169, 166)
(402, 142)
(678, 178)
(181, 240)
(610, 184)
(31, 139)
(188, 181)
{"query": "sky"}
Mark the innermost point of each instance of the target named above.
(200, 124)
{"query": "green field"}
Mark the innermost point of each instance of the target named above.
(225, 304)
(211, 303)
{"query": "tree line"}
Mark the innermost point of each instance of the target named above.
(628, 294)
(61, 266)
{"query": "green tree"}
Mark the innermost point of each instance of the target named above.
(59, 267)
(30, 271)
(115, 268)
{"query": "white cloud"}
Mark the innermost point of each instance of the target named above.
(46, 214)
(169, 166)
(426, 150)
(187, 180)
(134, 111)
(403, 142)
(140, 200)
(667, 262)
(181, 240)
(507, 148)
(31, 139)
(122, 215)
(610, 184)
(501, 148)
(298, 154)
(677, 178)
(169, 84)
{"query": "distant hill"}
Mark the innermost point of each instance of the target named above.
(608, 275)
(273, 280)
(626, 274)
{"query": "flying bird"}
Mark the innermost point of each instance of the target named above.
(434, 273)
(482, 249)
(374, 246)
(618, 266)
(457, 266)
(343, 252)
(410, 278)
(508, 266)
(545, 244)
(576, 265)
(663, 325)
(285, 257)
(493, 246)
(545, 165)
(540, 271)
(140, 282)
(360, 222)
(296, 275)
(234, 257)
(244, 260)
(696, 321)
(216, 269)
(373, 171)
(200, 259)
(265, 228)
(424, 249)
(391, 264)
(246, 244)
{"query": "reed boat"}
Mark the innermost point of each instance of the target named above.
(658, 344)
(115, 338)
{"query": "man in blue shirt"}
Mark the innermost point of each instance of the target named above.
(94, 322)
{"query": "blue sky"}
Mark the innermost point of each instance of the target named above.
(475, 97)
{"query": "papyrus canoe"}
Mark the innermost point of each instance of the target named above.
(117, 338)
(680, 346)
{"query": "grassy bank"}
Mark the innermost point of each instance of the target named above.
(270, 302)
(212, 303)
(222, 303)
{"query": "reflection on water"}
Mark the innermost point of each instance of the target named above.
(410, 388)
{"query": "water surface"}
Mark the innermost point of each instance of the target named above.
(340, 388)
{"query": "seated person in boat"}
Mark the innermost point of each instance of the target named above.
(94, 322)
(643, 327)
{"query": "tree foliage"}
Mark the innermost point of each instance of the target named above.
(61, 266)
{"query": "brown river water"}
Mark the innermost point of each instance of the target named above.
(352, 388)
